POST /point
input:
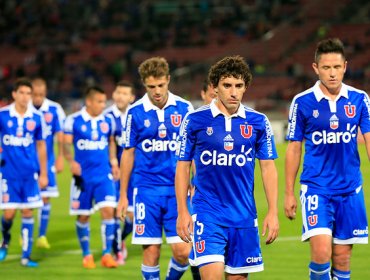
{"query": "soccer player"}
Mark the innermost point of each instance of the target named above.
(123, 96)
(23, 166)
(152, 128)
(54, 118)
(224, 139)
(94, 167)
(207, 93)
(327, 117)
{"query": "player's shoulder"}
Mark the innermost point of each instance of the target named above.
(5, 109)
(109, 110)
(74, 116)
(138, 105)
(182, 101)
(202, 110)
(250, 112)
(308, 93)
(54, 104)
(355, 91)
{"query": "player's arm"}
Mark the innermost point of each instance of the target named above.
(59, 162)
(367, 143)
(113, 158)
(41, 151)
(127, 160)
(270, 183)
(292, 162)
(67, 151)
(184, 226)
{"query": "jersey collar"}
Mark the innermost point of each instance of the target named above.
(148, 105)
(45, 105)
(215, 111)
(14, 113)
(116, 112)
(320, 95)
(86, 116)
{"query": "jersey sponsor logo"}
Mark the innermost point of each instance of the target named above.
(293, 121)
(30, 125)
(140, 229)
(209, 130)
(159, 145)
(11, 140)
(334, 122)
(350, 110)
(104, 127)
(246, 131)
(85, 144)
(176, 120)
(228, 143)
(361, 231)
(48, 117)
(254, 259)
(162, 131)
(216, 158)
(324, 137)
(200, 246)
(312, 220)
(315, 113)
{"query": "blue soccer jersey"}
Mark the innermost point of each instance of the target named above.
(18, 140)
(224, 151)
(329, 128)
(91, 142)
(54, 117)
(153, 133)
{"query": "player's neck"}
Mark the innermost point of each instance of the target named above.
(20, 109)
(332, 94)
(224, 110)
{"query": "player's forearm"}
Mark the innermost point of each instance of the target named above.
(113, 152)
(127, 160)
(270, 183)
(67, 152)
(182, 185)
(41, 151)
(292, 162)
(59, 137)
(367, 143)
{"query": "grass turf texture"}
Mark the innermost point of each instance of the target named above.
(287, 257)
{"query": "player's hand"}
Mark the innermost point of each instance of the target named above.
(43, 181)
(290, 206)
(59, 164)
(184, 226)
(271, 225)
(122, 208)
(116, 172)
(75, 168)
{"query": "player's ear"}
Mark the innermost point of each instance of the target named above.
(315, 68)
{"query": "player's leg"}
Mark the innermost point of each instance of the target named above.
(6, 224)
(317, 217)
(43, 218)
(128, 225)
(27, 237)
(350, 228)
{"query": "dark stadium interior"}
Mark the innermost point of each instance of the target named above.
(77, 43)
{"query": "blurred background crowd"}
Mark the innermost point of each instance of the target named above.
(77, 43)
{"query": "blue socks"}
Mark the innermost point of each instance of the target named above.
(175, 270)
(319, 271)
(117, 242)
(341, 275)
(150, 272)
(107, 234)
(44, 214)
(5, 229)
(83, 233)
(127, 228)
(27, 233)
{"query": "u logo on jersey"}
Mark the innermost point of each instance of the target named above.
(350, 110)
(246, 131)
(30, 125)
(312, 220)
(104, 127)
(200, 246)
(48, 117)
(176, 120)
(139, 229)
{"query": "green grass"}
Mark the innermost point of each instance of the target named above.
(286, 258)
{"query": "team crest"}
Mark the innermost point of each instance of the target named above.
(19, 131)
(10, 123)
(5, 197)
(83, 128)
(200, 246)
(146, 123)
(209, 130)
(139, 229)
(104, 127)
(176, 120)
(246, 131)
(75, 204)
(30, 125)
(315, 113)
(312, 220)
(228, 143)
(334, 122)
(162, 131)
(94, 134)
(48, 117)
(350, 110)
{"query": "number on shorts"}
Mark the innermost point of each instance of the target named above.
(140, 211)
(201, 228)
(313, 202)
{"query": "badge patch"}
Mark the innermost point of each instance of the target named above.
(10, 123)
(228, 143)
(334, 122)
(350, 110)
(209, 130)
(104, 127)
(162, 131)
(315, 113)
(75, 204)
(139, 229)
(83, 128)
(146, 123)
(246, 130)
(312, 220)
(176, 120)
(200, 246)
(30, 125)
(48, 117)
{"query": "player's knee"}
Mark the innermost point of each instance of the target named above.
(151, 255)
(181, 254)
(83, 219)
(341, 260)
(321, 254)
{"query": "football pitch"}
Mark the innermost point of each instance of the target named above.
(286, 258)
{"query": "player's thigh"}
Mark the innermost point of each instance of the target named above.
(321, 248)
(169, 205)
(180, 251)
(212, 271)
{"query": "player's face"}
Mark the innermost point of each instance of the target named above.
(157, 89)
(122, 97)
(22, 96)
(330, 68)
(208, 95)
(95, 104)
(229, 92)
(39, 93)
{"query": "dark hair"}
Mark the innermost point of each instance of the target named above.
(331, 45)
(90, 91)
(155, 66)
(22, 82)
(230, 66)
(205, 85)
(124, 83)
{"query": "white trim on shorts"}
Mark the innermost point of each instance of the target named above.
(207, 259)
(80, 212)
(103, 204)
(130, 209)
(316, 231)
(174, 239)
(52, 192)
(350, 241)
(21, 205)
(245, 269)
(146, 240)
